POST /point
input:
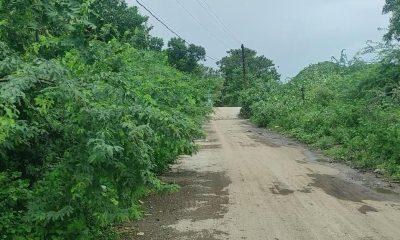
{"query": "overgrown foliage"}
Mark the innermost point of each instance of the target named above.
(349, 110)
(260, 71)
(88, 117)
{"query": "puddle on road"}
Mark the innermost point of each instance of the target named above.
(366, 209)
(341, 189)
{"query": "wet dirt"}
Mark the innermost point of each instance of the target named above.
(201, 196)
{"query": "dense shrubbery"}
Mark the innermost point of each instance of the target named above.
(88, 117)
(350, 110)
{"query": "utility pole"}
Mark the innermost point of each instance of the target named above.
(245, 80)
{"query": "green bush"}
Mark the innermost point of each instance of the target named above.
(14, 195)
(90, 113)
(340, 109)
(89, 132)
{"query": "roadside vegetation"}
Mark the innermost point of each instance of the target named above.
(349, 109)
(91, 110)
(352, 112)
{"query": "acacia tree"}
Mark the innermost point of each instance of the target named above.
(259, 68)
(184, 57)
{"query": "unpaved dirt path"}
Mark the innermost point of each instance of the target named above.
(248, 183)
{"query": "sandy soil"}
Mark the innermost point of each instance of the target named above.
(249, 183)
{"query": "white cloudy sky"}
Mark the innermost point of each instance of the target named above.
(293, 33)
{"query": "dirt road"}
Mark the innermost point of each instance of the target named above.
(248, 183)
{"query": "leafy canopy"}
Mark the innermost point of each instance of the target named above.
(184, 57)
(258, 68)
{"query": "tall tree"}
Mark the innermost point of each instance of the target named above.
(258, 68)
(184, 57)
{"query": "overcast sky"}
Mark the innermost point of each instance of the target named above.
(293, 33)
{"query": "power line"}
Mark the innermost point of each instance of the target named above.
(167, 27)
(218, 24)
(158, 19)
(220, 21)
(217, 19)
(201, 24)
